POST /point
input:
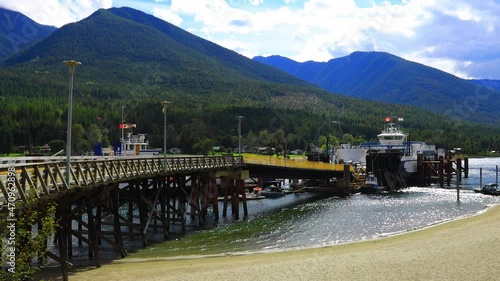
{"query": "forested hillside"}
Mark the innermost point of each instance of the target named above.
(387, 78)
(495, 84)
(131, 61)
(18, 32)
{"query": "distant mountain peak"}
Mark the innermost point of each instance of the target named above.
(384, 77)
(18, 32)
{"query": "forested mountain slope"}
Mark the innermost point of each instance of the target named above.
(384, 77)
(131, 61)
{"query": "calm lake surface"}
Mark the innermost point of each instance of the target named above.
(303, 220)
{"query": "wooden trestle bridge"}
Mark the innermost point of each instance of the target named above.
(133, 192)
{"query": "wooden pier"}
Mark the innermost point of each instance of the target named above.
(441, 170)
(111, 199)
(133, 194)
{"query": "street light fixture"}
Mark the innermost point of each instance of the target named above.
(164, 105)
(71, 64)
(239, 137)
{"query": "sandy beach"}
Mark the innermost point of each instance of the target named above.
(466, 249)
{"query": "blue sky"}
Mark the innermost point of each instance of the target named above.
(461, 37)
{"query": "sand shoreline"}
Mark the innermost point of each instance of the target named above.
(463, 249)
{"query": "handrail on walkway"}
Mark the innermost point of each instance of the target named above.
(30, 181)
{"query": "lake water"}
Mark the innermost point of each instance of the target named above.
(303, 220)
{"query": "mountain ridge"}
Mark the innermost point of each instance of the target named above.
(19, 31)
(495, 84)
(129, 59)
(385, 77)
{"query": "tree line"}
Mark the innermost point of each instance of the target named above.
(199, 126)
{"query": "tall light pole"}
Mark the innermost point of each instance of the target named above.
(239, 137)
(71, 64)
(164, 105)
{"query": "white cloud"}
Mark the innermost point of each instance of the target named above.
(454, 36)
(167, 15)
(458, 36)
(255, 2)
(55, 12)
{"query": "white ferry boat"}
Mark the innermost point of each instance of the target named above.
(133, 145)
(391, 162)
(393, 139)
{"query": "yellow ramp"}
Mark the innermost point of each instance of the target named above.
(294, 162)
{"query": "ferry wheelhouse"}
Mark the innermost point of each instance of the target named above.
(133, 145)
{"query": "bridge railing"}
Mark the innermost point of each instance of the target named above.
(30, 181)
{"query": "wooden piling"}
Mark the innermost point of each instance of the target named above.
(241, 188)
(480, 177)
(163, 198)
(94, 245)
(441, 171)
(448, 171)
(466, 167)
(130, 213)
(116, 221)
(227, 190)
(214, 193)
(347, 177)
(420, 170)
(62, 242)
(69, 230)
(459, 170)
(142, 212)
(459, 177)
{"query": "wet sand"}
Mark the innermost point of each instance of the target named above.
(466, 249)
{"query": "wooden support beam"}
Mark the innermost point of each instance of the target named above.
(420, 170)
(448, 171)
(227, 189)
(116, 220)
(441, 171)
(164, 220)
(459, 170)
(94, 243)
(466, 167)
(153, 210)
(204, 197)
(235, 199)
(142, 212)
(69, 230)
(62, 241)
(214, 193)
(241, 190)
(194, 199)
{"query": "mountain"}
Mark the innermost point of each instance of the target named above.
(384, 77)
(495, 84)
(119, 37)
(131, 61)
(18, 32)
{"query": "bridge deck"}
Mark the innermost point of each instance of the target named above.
(296, 163)
(31, 181)
(42, 176)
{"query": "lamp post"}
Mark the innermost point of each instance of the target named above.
(164, 105)
(71, 64)
(239, 137)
